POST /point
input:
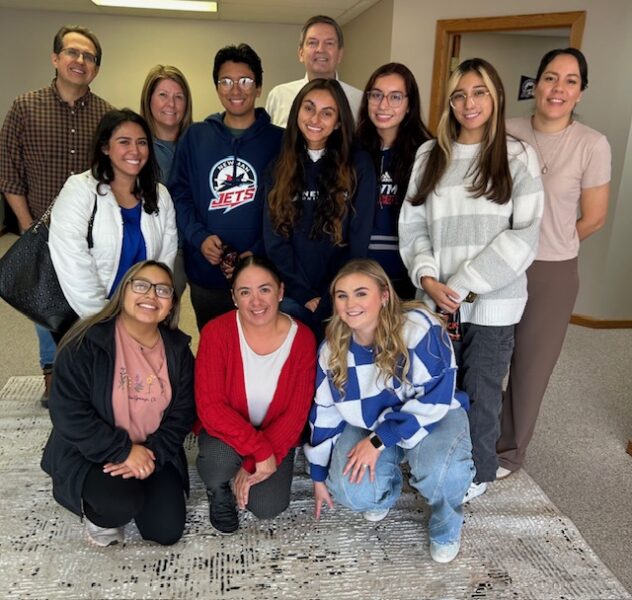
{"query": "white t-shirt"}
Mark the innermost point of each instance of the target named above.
(576, 158)
(262, 371)
(280, 98)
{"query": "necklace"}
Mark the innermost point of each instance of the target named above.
(545, 169)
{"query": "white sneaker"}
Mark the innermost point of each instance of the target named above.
(444, 553)
(104, 536)
(475, 490)
(502, 473)
(375, 515)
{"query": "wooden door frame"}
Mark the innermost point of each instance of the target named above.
(448, 27)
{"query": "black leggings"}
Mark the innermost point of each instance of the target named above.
(156, 504)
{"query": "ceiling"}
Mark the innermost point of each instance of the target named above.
(253, 11)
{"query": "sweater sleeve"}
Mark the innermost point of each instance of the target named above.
(73, 413)
(432, 392)
(363, 207)
(68, 242)
(296, 392)
(509, 254)
(179, 417)
(415, 244)
(220, 387)
(325, 422)
(192, 229)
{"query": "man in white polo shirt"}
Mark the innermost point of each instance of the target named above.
(320, 49)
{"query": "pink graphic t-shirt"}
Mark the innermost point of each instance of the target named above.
(141, 389)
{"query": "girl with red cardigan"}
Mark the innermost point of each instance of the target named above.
(254, 383)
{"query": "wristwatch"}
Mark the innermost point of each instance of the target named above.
(378, 444)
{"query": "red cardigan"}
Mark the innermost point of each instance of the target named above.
(220, 393)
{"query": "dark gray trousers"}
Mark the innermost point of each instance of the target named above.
(486, 352)
(218, 463)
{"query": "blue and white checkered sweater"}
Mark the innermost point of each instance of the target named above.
(401, 414)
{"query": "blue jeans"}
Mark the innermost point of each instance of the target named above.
(47, 346)
(441, 470)
(486, 353)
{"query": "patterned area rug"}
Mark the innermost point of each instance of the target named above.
(516, 544)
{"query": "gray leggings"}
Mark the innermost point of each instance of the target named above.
(218, 463)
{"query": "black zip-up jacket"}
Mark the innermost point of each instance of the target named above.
(80, 404)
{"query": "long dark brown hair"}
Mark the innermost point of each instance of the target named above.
(146, 187)
(336, 180)
(411, 132)
(491, 176)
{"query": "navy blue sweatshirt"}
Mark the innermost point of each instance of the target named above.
(384, 246)
(216, 183)
(309, 265)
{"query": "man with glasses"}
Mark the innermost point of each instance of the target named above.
(47, 136)
(216, 181)
(320, 49)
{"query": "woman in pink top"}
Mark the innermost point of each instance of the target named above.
(121, 404)
(254, 384)
(575, 166)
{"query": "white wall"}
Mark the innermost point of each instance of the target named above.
(367, 43)
(512, 56)
(132, 45)
(605, 258)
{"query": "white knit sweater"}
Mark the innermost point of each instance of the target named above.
(473, 244)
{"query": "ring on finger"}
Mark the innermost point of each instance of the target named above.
(365, 466)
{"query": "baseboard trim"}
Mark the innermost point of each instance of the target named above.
(593, 323)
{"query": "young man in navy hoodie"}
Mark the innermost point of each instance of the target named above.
(217, 181)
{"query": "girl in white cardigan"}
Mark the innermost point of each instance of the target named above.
(468, 230)
(133, 217)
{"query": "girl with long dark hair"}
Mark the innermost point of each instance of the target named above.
(391, 129)
(129, 215)
(321, 199)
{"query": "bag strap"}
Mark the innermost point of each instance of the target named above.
(91, 223)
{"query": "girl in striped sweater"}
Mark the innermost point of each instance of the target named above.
(468, 230)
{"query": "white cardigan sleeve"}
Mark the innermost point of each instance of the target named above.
(169, 242)
(68, 244)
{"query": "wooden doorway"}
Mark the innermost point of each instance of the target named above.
(448, 38)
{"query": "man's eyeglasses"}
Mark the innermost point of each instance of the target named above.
(142, 286)
(227, 83)
(394, 99)
(75, 54)
(459, 99)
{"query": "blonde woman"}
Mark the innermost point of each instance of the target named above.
(385, 381)
(166, 105)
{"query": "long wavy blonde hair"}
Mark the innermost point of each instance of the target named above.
(389, 348)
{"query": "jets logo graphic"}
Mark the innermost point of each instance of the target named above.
(233, 183)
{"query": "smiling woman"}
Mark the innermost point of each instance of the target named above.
(386, 392)
(254, 382)
(166, 105)
(121, 187)
(468, 230)
(121, 405)
(320, 200)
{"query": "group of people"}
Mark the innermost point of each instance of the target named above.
(316, 220)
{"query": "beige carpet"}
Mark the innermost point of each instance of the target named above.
(516, 544)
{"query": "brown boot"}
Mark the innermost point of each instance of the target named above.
(47, 371)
